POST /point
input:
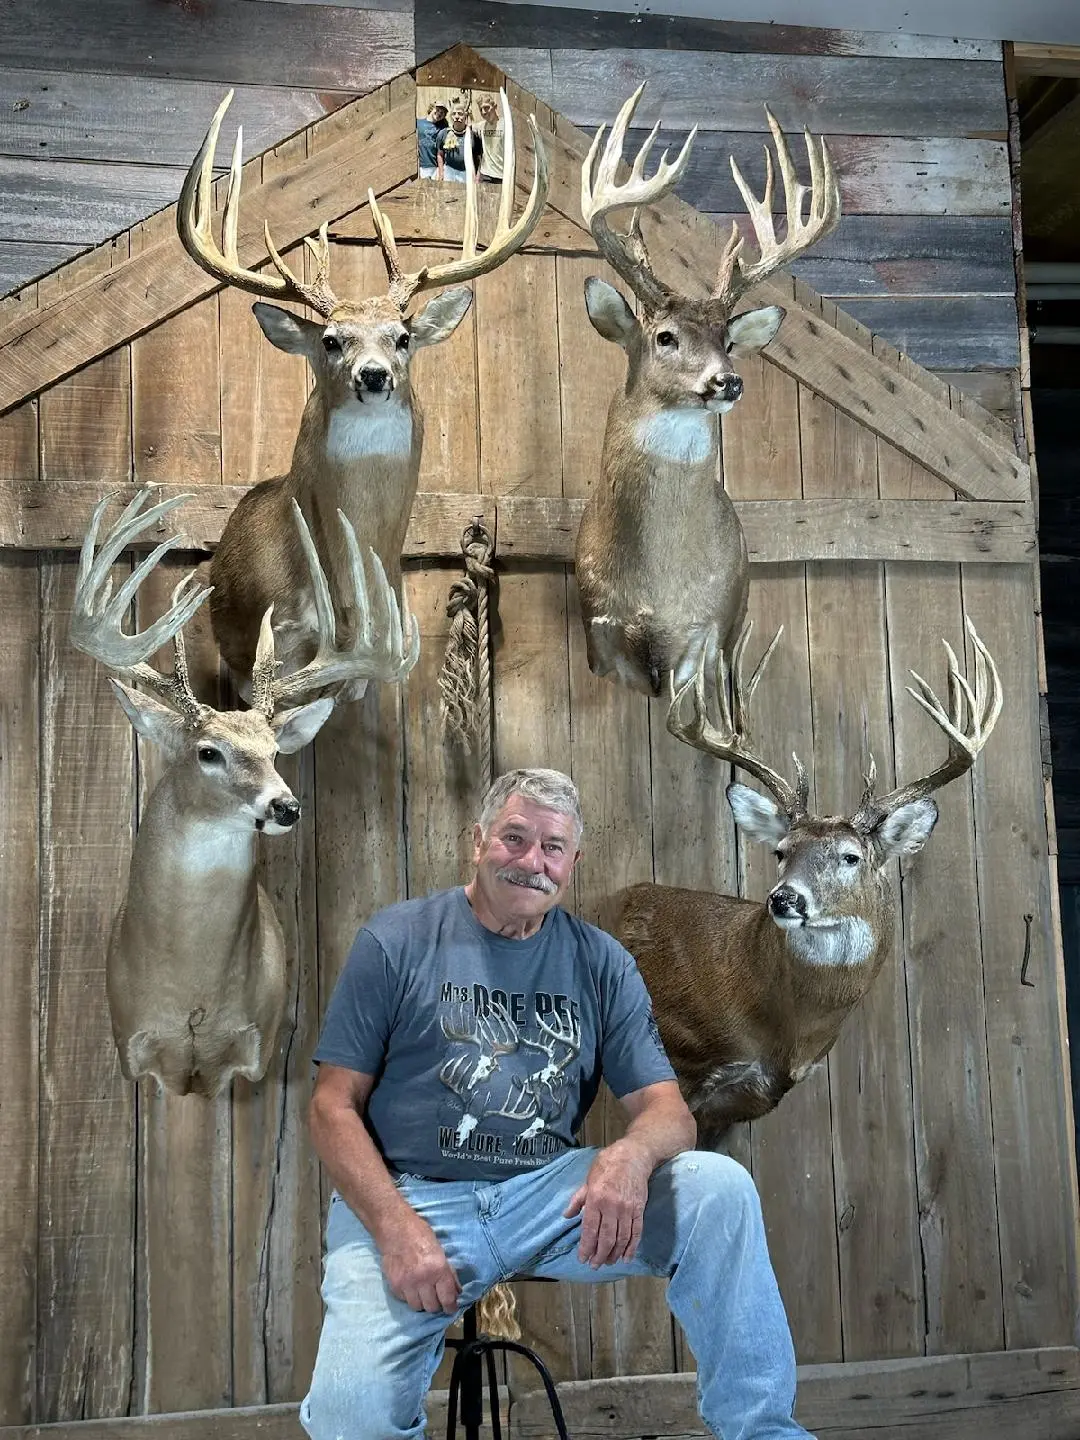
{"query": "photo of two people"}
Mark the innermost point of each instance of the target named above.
(443, 119)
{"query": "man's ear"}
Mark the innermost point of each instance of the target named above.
(440, 317)
(907, 829)
(294, 729)
(151, 718)
(754, 328)
(611, 316)
(757, 815)
(289, 332)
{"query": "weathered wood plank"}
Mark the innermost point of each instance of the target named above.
(72, 202)
(1032, 1136)
(476, 22)
(323, 47)
(958, 1397)
(22, 261)
(86, 1156)
(379, 151)
(1031, 58)
(835, 95)
(39, 516)
(71, 115)
(944, 332)
(176, 398)
(20, 782)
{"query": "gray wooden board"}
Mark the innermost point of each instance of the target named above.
(945, 332)
(75, 203)
(477, 22)
(73, 115)
(234, 42)
(841, 95)
(24, 260)
(879, 174)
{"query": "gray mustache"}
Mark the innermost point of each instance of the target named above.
(527, 878)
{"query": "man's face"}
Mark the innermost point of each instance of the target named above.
(438, 114)
(524, 865)
(458, 121)
(487, 110)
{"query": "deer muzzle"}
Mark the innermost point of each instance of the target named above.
(373, 380)
(723, 389)
(787, 906)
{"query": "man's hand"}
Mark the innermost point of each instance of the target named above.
(612, 1203)
(416, 1267)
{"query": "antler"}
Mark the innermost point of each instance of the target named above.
(730, 740)
(968, 724)
(193, 222)
(507, 238)
(601, 193)
(98, 615)
(378, 650)
(735, 274)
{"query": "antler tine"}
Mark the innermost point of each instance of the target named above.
(737, 275)
(968, 724)
(602, 193)
(507, 238)
(730, 740)
(98, 615)
(377, 650)
(265, 667)
(194, 217)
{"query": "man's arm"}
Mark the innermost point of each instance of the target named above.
(413, 1261)
(612, 1199)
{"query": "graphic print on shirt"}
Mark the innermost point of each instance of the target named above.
(503, 1067)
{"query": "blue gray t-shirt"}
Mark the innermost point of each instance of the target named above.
(487, 1051)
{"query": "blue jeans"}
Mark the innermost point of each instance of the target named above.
(702, 1228)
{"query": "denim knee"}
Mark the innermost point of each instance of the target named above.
(349, 1407)
(712, 1181)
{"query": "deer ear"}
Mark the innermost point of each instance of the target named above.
(907, 829)
(756, 815)
(440, 317)
(611, 316)
(754, 328)
(289, 332)
(151, 718)
(296, 728)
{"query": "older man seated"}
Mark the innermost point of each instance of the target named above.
(462, 1047)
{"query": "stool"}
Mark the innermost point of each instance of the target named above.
(467, 1380)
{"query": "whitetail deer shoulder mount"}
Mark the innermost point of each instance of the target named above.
(749, 996)
(661, 560)
(195, 970)
(360, 437)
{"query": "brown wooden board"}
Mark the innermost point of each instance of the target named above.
(1031, 1130)
(327, 47)
(86, 1114)
(958, 1397)
(20, 778)
(790, 1149)
(175, 398)
(22, 260)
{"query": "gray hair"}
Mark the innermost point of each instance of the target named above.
(550, 788)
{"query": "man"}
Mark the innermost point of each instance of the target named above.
(427, 139)
(461, 1049)
(492, 139)
(450, 146)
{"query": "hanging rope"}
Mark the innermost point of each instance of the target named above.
(465, 677)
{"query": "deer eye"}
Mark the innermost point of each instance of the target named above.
(851, 859)
(779, 854)
(331, 344)
(209, 756)
(667, 340)
(403, 341)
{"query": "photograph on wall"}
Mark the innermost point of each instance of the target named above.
(446, 118)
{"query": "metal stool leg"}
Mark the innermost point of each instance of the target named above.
(466, 1382)
(486, 1343)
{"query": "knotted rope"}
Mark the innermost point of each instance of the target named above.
(465, 677)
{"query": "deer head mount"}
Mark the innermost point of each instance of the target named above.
(661, 558)
(195, 971)
(359, 444)
(750, 996)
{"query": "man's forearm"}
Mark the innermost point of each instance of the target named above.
(663, 1130)
(357, 1169)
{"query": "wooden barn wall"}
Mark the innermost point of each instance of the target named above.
(98, 120)
(917, 1189)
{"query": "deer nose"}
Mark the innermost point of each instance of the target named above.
(726, 387)
(785, 901)
(374, 378)
(285, 812)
